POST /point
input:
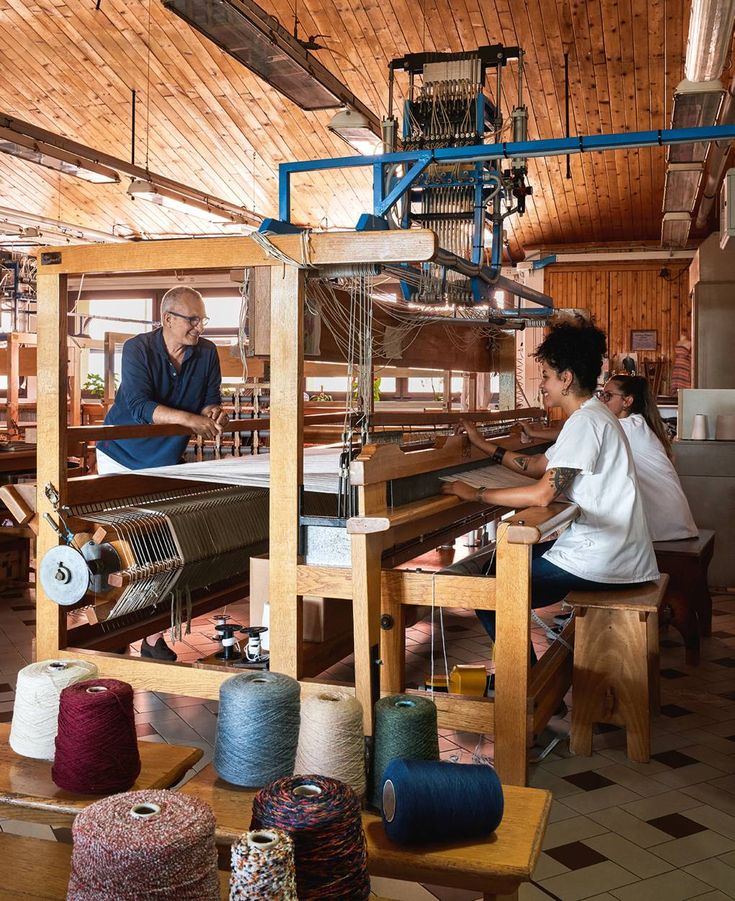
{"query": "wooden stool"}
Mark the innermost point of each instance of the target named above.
(686, 561)
(616, 677)
(493, 866)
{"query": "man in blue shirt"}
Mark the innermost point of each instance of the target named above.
(172, 376)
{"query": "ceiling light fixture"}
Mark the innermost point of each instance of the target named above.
(695, 104)
(355, 130)
(148, 189)
(259, 41)
(675, 229)
(681, 187)
(27, 148)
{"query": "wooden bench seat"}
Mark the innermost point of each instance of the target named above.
(616, 664)
(494, 866)
(27, 791)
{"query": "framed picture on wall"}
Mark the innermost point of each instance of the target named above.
(643, 339)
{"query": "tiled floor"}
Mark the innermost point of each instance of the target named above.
(663, 831)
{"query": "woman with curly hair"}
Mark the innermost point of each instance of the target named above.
(608, 546)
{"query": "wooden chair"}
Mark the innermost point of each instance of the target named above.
(616, 677)
(686, 561)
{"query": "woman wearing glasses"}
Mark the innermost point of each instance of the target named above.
(608, 545)
(667, 510)
(169, 376)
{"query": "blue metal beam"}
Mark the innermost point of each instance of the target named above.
(404, 184)
(506, 150)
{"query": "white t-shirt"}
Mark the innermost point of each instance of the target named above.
(609, 541)
(664, 502)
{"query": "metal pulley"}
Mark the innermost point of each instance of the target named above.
(67, 574)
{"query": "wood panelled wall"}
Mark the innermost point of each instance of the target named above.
(626, 296)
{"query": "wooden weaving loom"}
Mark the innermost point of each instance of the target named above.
(523, 702)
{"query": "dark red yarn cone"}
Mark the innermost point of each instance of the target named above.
(96, 744)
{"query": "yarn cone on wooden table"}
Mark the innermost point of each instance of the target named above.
(144, 845)
(36, 708)
(257, 728)
(331, 739)
(323, 818)
(96, 744)
(437, 801)
(263, 867)
(405, 726)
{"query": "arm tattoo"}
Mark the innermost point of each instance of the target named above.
(521, 462)
(561, 479)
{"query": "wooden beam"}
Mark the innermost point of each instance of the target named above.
(326, 249)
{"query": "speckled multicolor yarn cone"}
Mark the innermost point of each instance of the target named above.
(263, 867)
(144, 844)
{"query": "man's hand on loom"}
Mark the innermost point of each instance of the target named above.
(203, 426)
(217, 414)
(460, 489)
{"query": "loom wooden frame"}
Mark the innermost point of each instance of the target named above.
(521, 702)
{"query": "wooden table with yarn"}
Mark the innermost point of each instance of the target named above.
(495, 865)
(27, 791)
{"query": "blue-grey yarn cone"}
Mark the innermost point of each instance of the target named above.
(436, 801)
(257, 728)
(405, 726)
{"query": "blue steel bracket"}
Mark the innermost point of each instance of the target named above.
(278, 227)
(544, 261)
(369, 223)
(381, 205)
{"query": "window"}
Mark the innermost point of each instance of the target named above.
(137, 309)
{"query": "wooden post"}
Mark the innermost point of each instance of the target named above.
(366, 554)
(512, 664)
(75, 386)
(286, 478)
(109, 358)
(51, 464)
(447, 390)
(13, 382)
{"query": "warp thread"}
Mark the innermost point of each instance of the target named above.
(36, 709)
(437, 801)
(323, 818)
(331, 739)
(263, 867)
(405, 726)
(257, 728)
(96, 745)
(144, 844)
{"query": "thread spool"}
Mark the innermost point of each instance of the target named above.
(263, 867)
(468, 679)
(331, 739)
(144, 844)
(96, 744)
(257, 728)
(405, 726)
(36, 708)
(323, 817)
(428, 801)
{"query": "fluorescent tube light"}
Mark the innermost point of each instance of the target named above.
(27, 148)
(354, 129)
(695, 104)
(681, 187)
(142, 189)
(710, 37)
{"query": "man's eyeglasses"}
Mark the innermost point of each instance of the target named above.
(607, 396)
(193, 321)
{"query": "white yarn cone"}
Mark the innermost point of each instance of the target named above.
(36, 708)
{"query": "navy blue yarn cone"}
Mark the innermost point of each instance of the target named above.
(427, 801)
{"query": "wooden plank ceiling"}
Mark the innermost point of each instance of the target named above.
(204, 119)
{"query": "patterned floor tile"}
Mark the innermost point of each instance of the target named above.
(574, 886)
(619, 821)
(624, 852)
(677, 885)
(701, 846)
(676, 825)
